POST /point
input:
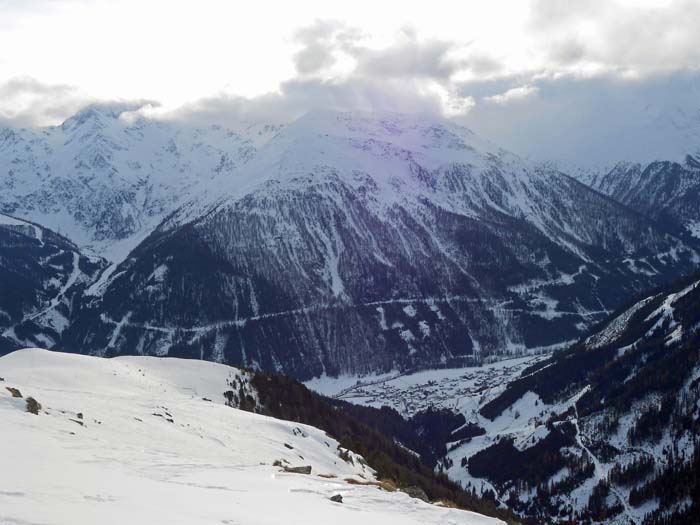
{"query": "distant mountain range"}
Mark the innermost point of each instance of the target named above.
(339, 243)
(668, 192)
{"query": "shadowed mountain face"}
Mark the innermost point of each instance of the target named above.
(41, 275)
(352, 244)
(607, 430)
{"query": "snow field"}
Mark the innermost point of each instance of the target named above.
(143, 440)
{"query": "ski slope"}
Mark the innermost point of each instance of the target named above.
(143, 440)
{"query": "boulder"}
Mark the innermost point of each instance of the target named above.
(306, 469)
(416, 492)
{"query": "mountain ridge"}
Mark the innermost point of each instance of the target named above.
(366, 242)
(437, 250)
(142, 439)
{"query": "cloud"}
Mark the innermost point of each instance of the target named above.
(412, 58)
(24, 101)
(408, 56)
(409, 74)
(320, 43)
(483, 64)
(12, 9)
(597, 120)
(298, 96)
(513, 94)
(601, 80)
(634, 39)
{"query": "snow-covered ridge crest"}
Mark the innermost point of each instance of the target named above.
(347, 140)
(107, 176)
(143, 440)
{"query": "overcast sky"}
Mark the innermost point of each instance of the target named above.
(570, 76)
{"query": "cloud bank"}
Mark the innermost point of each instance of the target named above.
(599, 80)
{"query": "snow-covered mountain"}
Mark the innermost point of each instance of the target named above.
(106, 177)
(41, 277)
(354, 244)
(653, 168)
(339, 243)
(668, 192)
(142, 440)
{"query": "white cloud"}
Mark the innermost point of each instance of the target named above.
(513, 94)
(635, 38)
(24, 101)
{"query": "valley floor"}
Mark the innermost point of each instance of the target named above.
(459, 389)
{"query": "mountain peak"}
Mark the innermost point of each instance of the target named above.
(100, 112)
(424, 135)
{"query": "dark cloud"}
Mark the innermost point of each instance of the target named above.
(482, 64)
(408, 57)
(313, 58)
(27, 85)
(568, 51)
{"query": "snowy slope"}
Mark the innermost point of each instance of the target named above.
(145, 440)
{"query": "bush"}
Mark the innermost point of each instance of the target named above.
(33, 406)
(13, 391)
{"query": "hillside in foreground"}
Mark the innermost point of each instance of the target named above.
(147, 440)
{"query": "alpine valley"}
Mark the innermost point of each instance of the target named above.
(337, 244)
(528, 334)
